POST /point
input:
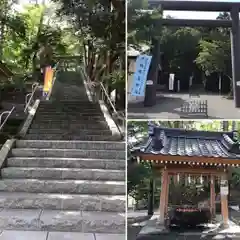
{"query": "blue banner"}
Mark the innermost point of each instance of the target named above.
(140, 76)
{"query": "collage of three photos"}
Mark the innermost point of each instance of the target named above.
(119, 120)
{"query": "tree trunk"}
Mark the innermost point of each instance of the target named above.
(225, 126)
(3, 14)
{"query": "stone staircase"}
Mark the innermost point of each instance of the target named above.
(69, 120)
(67, 175)
(64, 186)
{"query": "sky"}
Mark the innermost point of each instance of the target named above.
(180, 14)
(196, 15)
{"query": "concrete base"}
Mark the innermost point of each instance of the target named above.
(23, 235)
(154, 228)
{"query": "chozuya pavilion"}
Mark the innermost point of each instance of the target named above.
(190, 152)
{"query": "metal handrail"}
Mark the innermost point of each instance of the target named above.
(108, 98)
(5, 120)
(29, 100)
(90, 84)
(117, 114)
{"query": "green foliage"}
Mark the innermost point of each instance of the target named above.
(116, 79)
(138, 179)
(19, 52)
(214, 56)
(186, 50)
(142, 24)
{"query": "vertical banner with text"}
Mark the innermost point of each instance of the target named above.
(140, 76)
(48, 79)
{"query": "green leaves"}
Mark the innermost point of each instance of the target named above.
(213, 56)
(142, 24)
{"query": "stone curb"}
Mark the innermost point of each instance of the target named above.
(112, 125)
(132, 220)
(29, 120)
(4, 152)
(84, 77)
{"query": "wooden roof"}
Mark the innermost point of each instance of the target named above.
(179, 146)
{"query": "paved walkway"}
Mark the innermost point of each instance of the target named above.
(168, 106)
(32, 235)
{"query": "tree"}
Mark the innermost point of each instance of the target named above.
(19, 53)
(215, 52)
(142, 23)
(100, 26)
(9, 21)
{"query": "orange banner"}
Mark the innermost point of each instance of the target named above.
(48, 79)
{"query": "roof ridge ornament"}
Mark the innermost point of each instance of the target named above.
(230, 144)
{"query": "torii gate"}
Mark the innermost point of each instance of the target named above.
(232, 7)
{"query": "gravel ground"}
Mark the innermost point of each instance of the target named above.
(168, 106)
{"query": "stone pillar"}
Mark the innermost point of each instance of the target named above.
(151, 84)
(224, 203)
(235, 51)
(163, 195)
(212, 196)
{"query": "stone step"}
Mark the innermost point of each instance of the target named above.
(63, 113)
(69, 221)
(69, 111)
(67, 103)
(66, 163)
(40, 117)
(69, 107)
(63, 186)
(71, 153)
(70, 130)
(63, 173)
(71, 144)
(47, 125)
(71, 122)
(19, 200)
(70, 137)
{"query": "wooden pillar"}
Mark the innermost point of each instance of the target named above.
(151, 197)
(163, 195)
(167, 194)
(186, 179)
(224, 201)
(175, 179)
(212, 196)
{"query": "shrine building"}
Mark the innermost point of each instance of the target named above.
(190, 152)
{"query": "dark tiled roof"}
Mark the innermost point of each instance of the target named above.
(180, 142)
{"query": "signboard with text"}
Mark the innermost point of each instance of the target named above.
(224, 188)
(140, 76)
